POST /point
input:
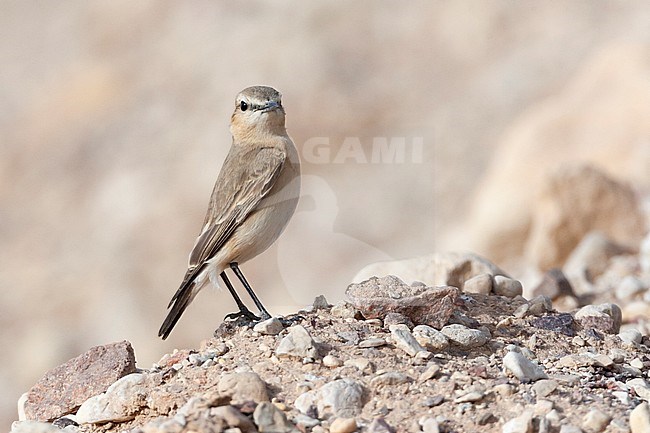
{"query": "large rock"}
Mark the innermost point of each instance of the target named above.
(63, 389)
(377, 297)
(589, 259)
(595, 117)
(578, 199)
(121, 402)
(605, 317)
(438, 269)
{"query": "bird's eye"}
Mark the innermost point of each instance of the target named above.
(243, 105)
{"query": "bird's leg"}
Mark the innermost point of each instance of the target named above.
(265, 314)
(243, 310)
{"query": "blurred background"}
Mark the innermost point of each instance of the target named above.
(114, 123)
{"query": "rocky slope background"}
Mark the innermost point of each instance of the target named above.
(470, 355)
(114, 120)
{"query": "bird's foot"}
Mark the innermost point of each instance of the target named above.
(243, 315)
(291, 320)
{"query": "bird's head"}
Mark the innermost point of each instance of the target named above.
(258, 109)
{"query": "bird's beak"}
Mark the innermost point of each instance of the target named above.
(270, 106)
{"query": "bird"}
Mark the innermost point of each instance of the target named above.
(252, 201)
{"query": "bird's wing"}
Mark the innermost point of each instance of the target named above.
(235, 196)
(245, 179)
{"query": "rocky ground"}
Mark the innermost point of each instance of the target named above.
(468, 357)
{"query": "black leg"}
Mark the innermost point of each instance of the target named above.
(265, 314)
(243, 310)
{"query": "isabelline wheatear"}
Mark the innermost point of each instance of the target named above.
(253, 199)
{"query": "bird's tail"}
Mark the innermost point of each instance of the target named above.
(178, 304)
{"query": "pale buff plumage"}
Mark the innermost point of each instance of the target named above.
(253, 199)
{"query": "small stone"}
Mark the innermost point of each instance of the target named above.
(576, 360)
(121, 402)
(562, 323)
(604, 361)
(641, 387)
(241, 387)
(636, 363)
(521, 311)
(63, 389)
(270, 419)
(522, 368)
(617, 355)
(539, 305)
(432, 401)
(465, 337)
(172, 425)
(481, 284)
(362, 364)
(271, 326)
(554, 417)
(306, 421)
(504, 389)
(343, 425)
(233, 417)
(374, 322)
(344, 310)
(430, 338)
(470, 397)
(372, 342)
(393, 318)
(377, 297)
(522, 424)
(349, 337)
(542, 407)
(34, 427)
(578, 341)
(332, 361)
(595, 421)
(320, 303)
(430, 372)
(605, 317)
(640, 418)
(631, 336)
(389, 379)
(487, 418)
(342, 397)
(554, 284)
(544, 387)
(297, 343)
(430, 425)
(379, 425)
(405, 340)
(504, 286)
